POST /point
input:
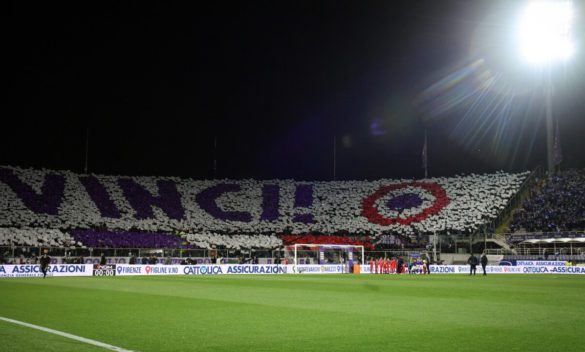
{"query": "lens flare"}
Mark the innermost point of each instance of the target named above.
(544, 32)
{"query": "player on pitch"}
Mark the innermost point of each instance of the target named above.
(45, 260)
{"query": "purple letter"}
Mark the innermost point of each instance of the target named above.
(207, 201)
(48, 201)
(270, 200)
(100, 197)
(169, 200)
(304, 199)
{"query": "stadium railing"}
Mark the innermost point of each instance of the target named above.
(13, 254)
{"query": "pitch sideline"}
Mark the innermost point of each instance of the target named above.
(67, 335)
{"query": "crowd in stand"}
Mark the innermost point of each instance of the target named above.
(67, 201)
(73, 260)
(46, 208)
(35, 237)
(128, 239)
(133, 239)
(558, 206)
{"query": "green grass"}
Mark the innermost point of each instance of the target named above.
(298, 313)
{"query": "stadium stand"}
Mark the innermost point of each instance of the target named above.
(559, 206)
(216, 240)
(104, 213)
(63, 209)
(126, 239)
(63, 200)
(35, 237)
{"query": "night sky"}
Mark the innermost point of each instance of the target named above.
(275, 83)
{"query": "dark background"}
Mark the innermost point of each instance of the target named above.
(274, 83)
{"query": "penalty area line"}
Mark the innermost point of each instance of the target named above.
(67, 335)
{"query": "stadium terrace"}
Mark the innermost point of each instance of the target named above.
(63, 200)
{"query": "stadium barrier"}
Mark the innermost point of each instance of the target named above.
(34, 270)
(226, 269)
(506, 269)
(31, 270)
(540, 263)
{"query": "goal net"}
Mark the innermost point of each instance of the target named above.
(324, 254)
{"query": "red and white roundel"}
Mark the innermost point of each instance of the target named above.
(419, 200)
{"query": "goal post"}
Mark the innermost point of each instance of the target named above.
(323, 254)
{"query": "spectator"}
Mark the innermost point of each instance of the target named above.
(33, 259)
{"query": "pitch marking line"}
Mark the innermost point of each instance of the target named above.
(69, 336)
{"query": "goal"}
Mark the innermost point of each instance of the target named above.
(323, 254)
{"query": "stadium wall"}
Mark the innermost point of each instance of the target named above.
(32, 270)
(14, 271)
(454, 259)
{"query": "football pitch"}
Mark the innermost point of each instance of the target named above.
(297, 313)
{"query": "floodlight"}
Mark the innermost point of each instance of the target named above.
(544, 31)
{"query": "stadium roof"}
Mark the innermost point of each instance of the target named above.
(553, 240)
